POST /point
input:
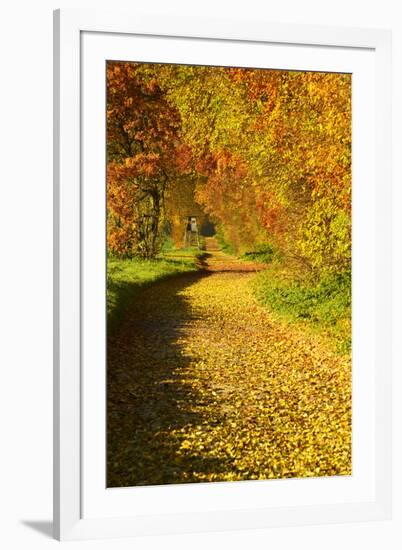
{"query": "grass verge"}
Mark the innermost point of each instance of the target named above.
(127, 277)
(324, 307)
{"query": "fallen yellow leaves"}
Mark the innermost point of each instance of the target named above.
(203, 385)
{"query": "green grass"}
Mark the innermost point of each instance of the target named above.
(324, 306)
(179, 253)
(225, 246)
(127, 277)
(262, 253)
(167, 245)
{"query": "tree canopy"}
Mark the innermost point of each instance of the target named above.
(266, 154)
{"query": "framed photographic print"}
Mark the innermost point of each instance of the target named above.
(222, 282)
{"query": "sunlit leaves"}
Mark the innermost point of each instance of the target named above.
(205, 385)
(266, 153)
(275, 147)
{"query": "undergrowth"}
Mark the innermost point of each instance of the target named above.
(324, 306)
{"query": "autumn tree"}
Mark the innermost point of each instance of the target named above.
(301, 163)
(142, 138)
(216, 117)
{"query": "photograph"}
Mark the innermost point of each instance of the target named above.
(228, 273)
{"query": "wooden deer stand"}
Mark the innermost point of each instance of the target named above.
(191, 237)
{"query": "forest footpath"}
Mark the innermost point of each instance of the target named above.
(205, 385)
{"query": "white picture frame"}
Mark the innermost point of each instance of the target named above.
(76, 515)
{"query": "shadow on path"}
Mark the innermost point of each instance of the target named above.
(151, 403)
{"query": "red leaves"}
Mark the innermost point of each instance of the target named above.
(183, 158)
(142, 137)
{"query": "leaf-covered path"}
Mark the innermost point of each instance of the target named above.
(204, 385)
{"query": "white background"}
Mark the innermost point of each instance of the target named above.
(26, 272)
